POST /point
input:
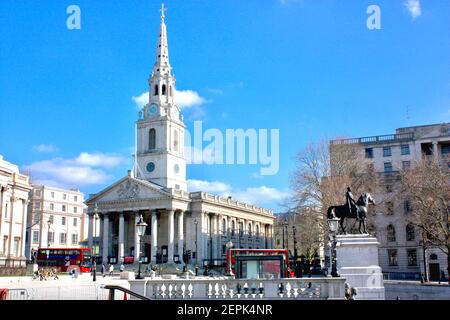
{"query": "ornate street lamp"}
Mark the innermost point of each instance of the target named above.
(229, 246)
(333, 225)
(140, 227)
(295, 252)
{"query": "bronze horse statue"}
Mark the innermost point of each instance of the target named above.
(360, 214)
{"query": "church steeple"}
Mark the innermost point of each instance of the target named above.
(160, 129)
(162, 81)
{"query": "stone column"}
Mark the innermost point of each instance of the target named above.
(180, 235)
(137, 245)
(105, 250)
(154, 236)
(121, 237)
(435, 150)
(24, 227)
(90, 231)
(171, 235)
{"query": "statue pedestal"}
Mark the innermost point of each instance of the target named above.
(357, 260)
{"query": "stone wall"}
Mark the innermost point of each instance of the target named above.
(411, 290)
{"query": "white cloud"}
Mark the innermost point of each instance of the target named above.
(86, 169)
(184, 99)
(98, 160)
(263, 196)
(45, 148)
(413, 7)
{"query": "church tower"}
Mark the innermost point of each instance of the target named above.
(160, 154)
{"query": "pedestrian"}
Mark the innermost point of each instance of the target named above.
(111, 270)
(103, 270)
(122, 268)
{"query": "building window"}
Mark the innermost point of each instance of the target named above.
(64, 208)
(412, 257)
(63, 221)
(36, 218)
(62, 238)
(64, 196)
(51, 237)
(445, 149)
(37, 193)
(233, 228)
(388, 167)
(50, 219)
(389, 208)
(156, 90)
(75, 198)
(75, 222)
(52, 194)
(152, 139)
(74, 239)
(16, 246)
(75, 210)
(52, 206)
(433, 256)
(35, 237)
(369, 153)
(387, 151)
(393, 258)
(407, 206)
(391, 233)
(5, 244)
(410, 233)
(406, 165)
(405, 150)
(163, 90)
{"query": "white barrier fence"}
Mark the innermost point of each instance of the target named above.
(291, 289)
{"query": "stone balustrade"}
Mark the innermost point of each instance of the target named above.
(223, 289)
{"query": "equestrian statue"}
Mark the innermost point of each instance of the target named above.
(352, 209)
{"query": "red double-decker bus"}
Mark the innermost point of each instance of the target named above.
(258, 263)
(65, 258)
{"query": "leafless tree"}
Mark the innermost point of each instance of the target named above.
(428, 185)
(323, 173)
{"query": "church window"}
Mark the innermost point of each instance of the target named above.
(175, 140)
(152, 139)
(163, 92)
(156, 90)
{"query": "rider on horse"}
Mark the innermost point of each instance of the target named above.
(351, 203)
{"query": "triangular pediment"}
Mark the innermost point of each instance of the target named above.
(130, 188)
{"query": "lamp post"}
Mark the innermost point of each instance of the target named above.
(94, 274)
(229, 245)
(196, 237)
(49, 223)
(333, 226)
(295, 251)
(140, 227)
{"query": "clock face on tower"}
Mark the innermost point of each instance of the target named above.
(150, 167)
(152, 110)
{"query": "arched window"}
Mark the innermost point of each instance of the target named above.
(233, 228)
(241, 229)
(156, 90)
(163, 92)
(175, 140)
(249, 229)
(257, 230)
(410, 233)
(391, 233)
(433, 256)
(152, 139)
(224, 226)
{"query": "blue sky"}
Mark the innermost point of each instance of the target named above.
(309, 68)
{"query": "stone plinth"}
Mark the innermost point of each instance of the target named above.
(357, 261)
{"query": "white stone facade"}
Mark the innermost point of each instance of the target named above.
(178, 221)
(402, 256)
(14, 189)
(55, 219)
